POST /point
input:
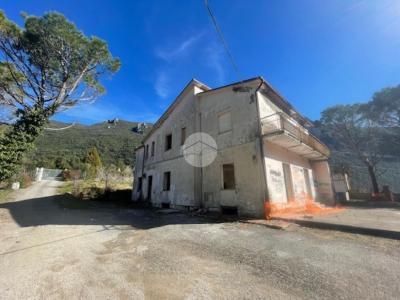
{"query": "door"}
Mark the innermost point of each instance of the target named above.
(288, 182)
(149, 187)
(299, 184)
(308, 184)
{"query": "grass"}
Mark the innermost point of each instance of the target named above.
(68, 187)
(81, 191)
(4, 193)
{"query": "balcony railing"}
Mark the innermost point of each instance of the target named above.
(280, 123)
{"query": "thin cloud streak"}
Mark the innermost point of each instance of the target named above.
(215, 57)
(161, 85)
(176, 52)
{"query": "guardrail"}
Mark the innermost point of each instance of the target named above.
(280, 123)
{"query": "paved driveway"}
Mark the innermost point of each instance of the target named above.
(55, 247)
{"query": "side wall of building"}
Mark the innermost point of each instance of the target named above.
(162, 160)
(137, 192)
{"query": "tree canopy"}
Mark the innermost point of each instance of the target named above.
(47, 66)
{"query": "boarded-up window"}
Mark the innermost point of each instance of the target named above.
(153, 145)
(288, 182)
(167, 181)
(228, 176)
(168, 142)
(224, 122)
(183, 135)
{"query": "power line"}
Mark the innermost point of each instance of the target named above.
(222, 39)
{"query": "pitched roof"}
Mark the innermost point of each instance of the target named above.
(193, 82)
(268, 89)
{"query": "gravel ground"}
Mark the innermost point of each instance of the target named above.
(55, 247)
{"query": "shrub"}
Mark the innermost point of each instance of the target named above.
(68, 175)
(25, 180)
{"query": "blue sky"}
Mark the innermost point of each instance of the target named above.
(316, 53)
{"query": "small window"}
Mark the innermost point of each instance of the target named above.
(228, 174)
(168, 142)
(153, 144)
(167, 181)
(146, 153)
(224, 122)
(183, 135)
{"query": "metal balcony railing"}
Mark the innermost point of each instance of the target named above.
(280, 123)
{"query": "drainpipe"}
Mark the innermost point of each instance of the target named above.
(266, 207)
(141, 188)
(201, 170)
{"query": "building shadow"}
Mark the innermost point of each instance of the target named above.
(364, 204)
(68, 210)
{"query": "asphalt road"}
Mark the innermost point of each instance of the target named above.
(55, 247)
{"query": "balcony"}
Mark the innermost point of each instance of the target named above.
(280, 129)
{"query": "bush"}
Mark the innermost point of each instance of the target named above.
(25, 180)
(68, 175)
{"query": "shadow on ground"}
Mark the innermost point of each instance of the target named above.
(372, 204)
(68, 210)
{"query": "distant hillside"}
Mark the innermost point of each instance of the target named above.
(68, 147)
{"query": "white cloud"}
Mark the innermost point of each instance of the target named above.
(177, 51)
(161, 84)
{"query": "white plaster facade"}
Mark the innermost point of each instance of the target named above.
(258, 134)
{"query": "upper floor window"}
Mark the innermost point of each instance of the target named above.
(224, 122)
(228, 176)
(153, 145)
(146, 151)
(183, 135)
(168, 142)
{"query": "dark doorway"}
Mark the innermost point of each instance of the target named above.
(229, 210)
(149, 187)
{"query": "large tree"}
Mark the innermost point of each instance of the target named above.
(352, 127)
(384, 108)
(47, 66)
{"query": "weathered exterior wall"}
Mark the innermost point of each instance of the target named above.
(275, 156)
(182, 174)
(239, 146)
(323, 182)
(266, 107)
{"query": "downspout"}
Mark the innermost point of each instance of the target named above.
(201, 170)
(266, 197)
(141, 188)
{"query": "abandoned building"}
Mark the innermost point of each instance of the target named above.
(265, 152)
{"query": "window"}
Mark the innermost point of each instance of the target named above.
(153, 144)
(146, 152)
(224, 122)
(228, 175)
(139, 186)
(183, 135)
(168, 142)
(167, 181)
